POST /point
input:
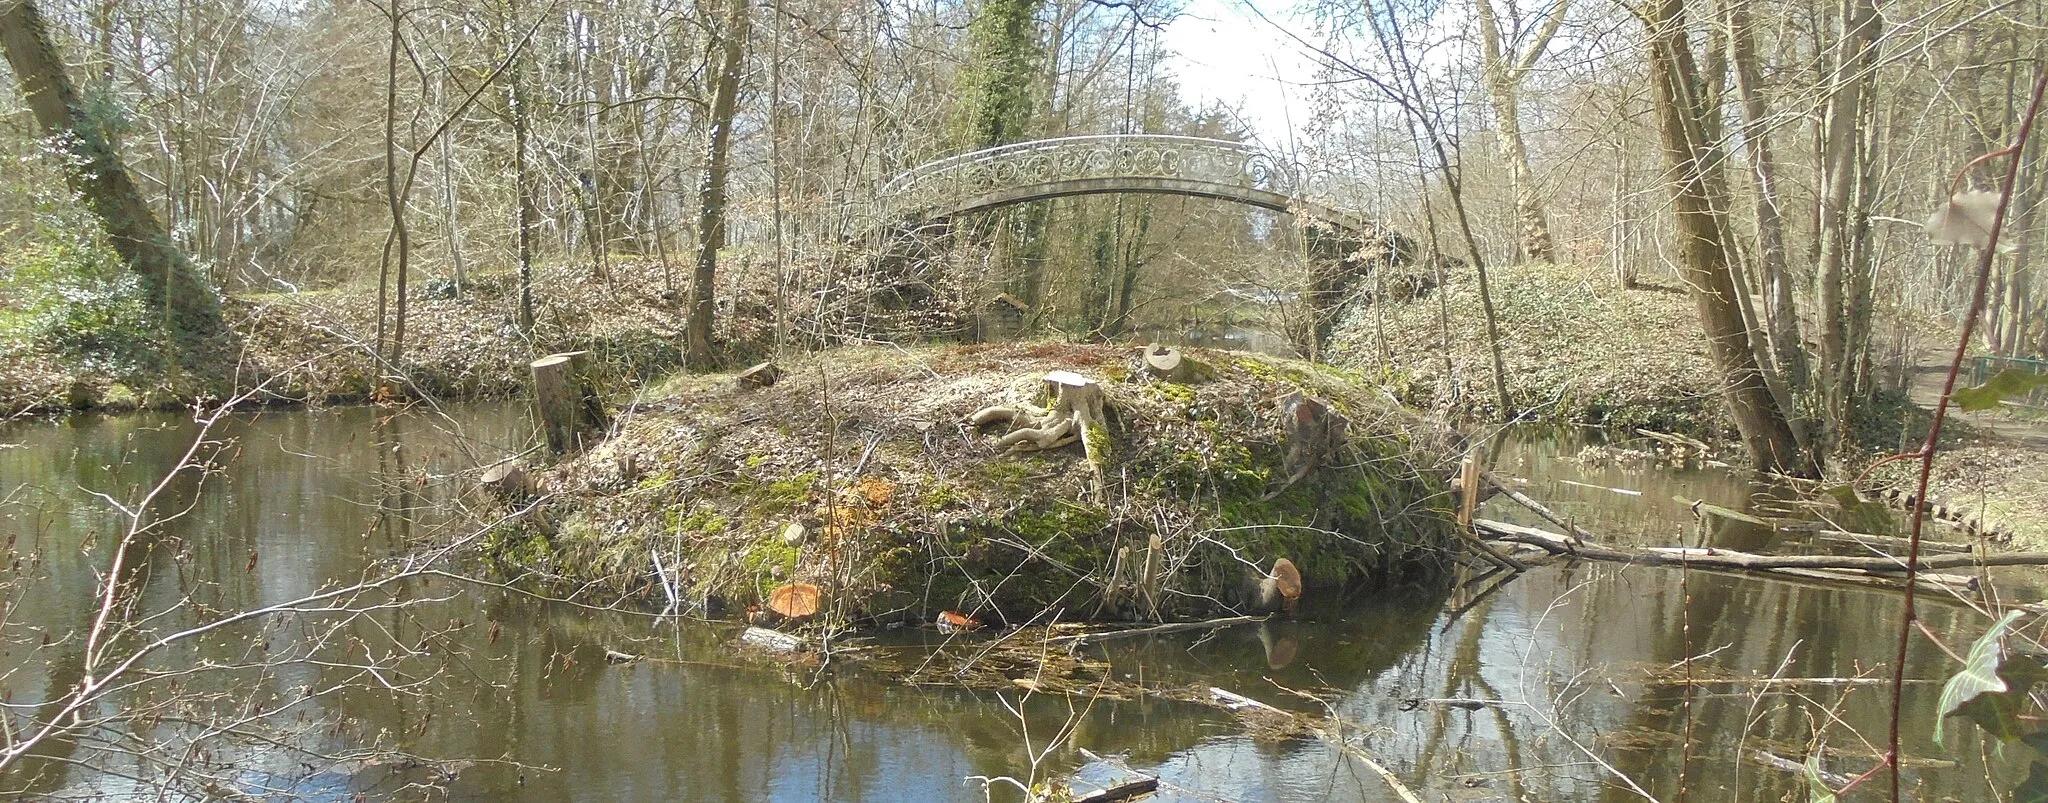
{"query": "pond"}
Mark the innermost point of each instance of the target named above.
(466, 691)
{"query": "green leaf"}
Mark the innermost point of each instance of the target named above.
(1979, 675)
(2035, 788)
(2008, 383)
(1817, 789)
(1999, 713)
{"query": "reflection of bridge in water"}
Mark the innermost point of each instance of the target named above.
(1095, 165)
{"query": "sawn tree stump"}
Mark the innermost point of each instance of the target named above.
(571, 412)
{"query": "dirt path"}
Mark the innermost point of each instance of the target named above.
(1925, 390)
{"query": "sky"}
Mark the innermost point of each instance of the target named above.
(1222, 51)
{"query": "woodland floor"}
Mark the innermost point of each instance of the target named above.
(317, 346)
(1578, 349)
(2000, 475)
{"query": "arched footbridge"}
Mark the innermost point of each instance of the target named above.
(1094, 165)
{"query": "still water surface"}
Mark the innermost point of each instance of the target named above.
(1571, 656)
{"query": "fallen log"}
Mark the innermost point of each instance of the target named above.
(771, 640)
(1730, 559)
(1888, 541)
(1083, 639)
(1332, 736)
(1535, 507)
(1142, 785)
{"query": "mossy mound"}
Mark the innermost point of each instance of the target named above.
(907, 511)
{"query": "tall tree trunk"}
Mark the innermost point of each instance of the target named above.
(97, 174)
(711, 193)
(1841, 173)
(528, 213)
(399, 242)
(1505, 70)
(1703, 258)
(1781, 315)
(451, 212)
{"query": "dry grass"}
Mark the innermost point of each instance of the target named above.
(1578, 349)
(316, 346)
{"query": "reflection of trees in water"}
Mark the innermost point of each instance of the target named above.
(1464, 678)
(1752, 627)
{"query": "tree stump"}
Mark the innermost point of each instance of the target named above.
(1315, 433)
(759, 376)
(571, 412)
(1076, 415)
(508, 481)
(1168, 364)
(1280, 589)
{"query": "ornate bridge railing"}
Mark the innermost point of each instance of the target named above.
(1050, 168)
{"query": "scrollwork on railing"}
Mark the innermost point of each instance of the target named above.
(938, 186)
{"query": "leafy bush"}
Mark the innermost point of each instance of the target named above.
(69, 295)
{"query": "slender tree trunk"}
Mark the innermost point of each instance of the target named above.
(1703, 258)
(98, 175)
(1841, 173)
(451, 211)
(523, 180)
(1505, 70)
(711, 194)
(399, 242)
(1781, 315)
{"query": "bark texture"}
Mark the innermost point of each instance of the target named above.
(1505, 70)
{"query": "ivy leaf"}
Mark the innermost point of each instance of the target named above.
(1980, 673)
(1817, 789)
(2008, 383)
(2000, 713)
(2035, 788)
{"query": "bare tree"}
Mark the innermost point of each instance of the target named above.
(711, 200)
(1693, 163)
(1506, 68)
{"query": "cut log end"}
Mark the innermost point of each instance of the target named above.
(508, 480)
(759, 376)
(1168, 364)
(795, 601)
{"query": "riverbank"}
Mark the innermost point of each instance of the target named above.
(1578, 349)
(317, 346)
(859, 474)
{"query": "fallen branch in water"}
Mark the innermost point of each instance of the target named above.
(1083, 639)
(1331, 732)
(1537, 508)
(1847, 538)
(1713, 558)
(1143, 785)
